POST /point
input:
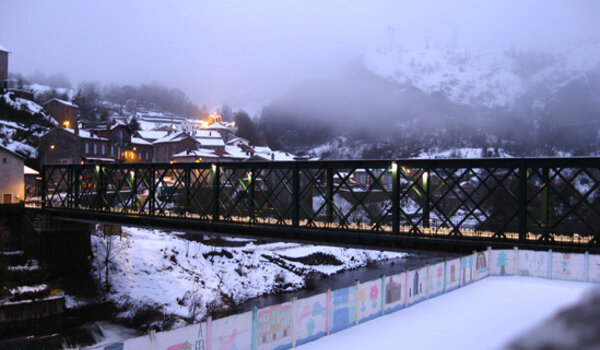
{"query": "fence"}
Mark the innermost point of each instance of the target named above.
(299, 321)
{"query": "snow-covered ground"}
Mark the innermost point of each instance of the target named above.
(164, 271)
(484, 315)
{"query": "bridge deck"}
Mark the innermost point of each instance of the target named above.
(395, 204)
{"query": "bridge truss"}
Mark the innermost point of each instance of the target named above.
(387, 204)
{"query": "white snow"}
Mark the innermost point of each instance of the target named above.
(150, 267)
(491, 78)
(27, 289)
(484, 315)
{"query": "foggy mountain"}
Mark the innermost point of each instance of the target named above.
(393, 102)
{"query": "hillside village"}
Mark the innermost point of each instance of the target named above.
(67, 138)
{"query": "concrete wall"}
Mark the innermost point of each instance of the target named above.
(13, 179)
(3, 65)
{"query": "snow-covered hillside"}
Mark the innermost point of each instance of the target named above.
(182, 278)
(485, 77)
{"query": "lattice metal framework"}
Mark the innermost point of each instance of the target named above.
(549, 199)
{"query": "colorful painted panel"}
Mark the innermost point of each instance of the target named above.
(275, 327)
(452, 274)
(435, 280)
(417, 285)
(394, 292)
(369, 300)
(186, 338)
(532, 263)
(567, 266)
(343, 309)
(594, 268)
(311, 318)
(502, 262)
(481, 265)
(232, 332)
(467, 273)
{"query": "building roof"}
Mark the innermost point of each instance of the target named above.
(140, 141)
(2, 48)
(11, 152)
(152, 134)
(86, 134)
(206, 133)
(198, 152)
(28, 171)
(175, 137)
(67, 103)
(211, 141)
(266, 153)
(217, 126)
(236, 139)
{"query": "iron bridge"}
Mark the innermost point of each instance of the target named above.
(440, 204)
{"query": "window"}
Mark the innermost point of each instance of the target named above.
(103, 149)
(95, 148)
(87, 147)
(112, 150)
(4, 160)
(362, 179)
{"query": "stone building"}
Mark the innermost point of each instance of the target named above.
(3, 68)
(166, 147)
(65, 113)
(12, 186)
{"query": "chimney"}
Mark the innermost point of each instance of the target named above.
(272, 156)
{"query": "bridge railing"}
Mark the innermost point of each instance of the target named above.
(547, 199)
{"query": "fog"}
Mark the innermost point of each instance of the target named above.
(250, 52)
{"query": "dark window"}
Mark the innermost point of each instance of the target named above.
(4, 160)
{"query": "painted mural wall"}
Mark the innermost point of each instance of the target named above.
(395, 292)
(311, 318)
(294, 323)
(435, 280)
(370, 299)
(534, 264)
(232, 332)
(275, 327)
(342, 309)
(502, 262)
(481, 264)
(452, 274)
(567, 266)
(417, 285)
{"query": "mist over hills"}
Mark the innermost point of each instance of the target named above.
(396, 103)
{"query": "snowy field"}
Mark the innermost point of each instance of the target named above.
(484, 315)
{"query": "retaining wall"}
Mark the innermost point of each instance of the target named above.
(298, 321)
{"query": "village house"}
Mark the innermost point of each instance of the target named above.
(12, 186)
(165, 148)
(3, 68)
(65, 113)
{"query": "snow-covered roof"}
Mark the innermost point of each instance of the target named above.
(198, 152)
(236, 152)
(140, 141)
(206, 133)
(268, 154)
(100, 159)
(119, 123)
(61, 101)
(2, 48)
(237, 139)
(217, 126)
(28, 171)
(153, 134)
(11, 152)
(86, 134)
(175, 137)
(211, 141)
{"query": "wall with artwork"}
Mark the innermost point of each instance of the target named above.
(342, 308)
(435, 280)
(452, 274)
(369, 301)
(502, 262)
(394, 292)
(231, 333)
(568, 266)
(310, 318)
(417, 285)
(299, 321)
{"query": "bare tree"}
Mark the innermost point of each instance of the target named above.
(107, 249)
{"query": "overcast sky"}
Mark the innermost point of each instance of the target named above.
(246, 52)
